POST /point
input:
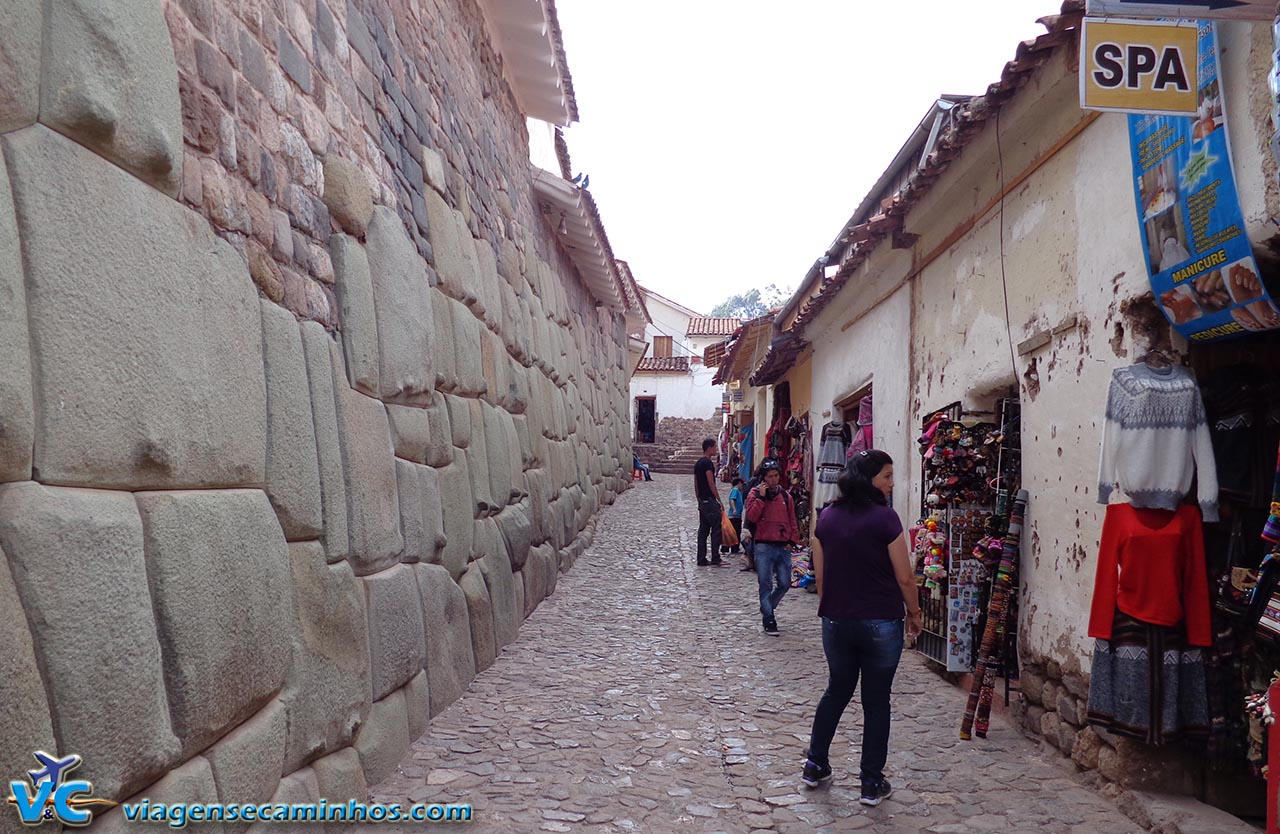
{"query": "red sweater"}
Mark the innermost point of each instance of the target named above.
(1151, 567)
(775, 520)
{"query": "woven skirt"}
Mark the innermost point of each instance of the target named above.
(1148, 684)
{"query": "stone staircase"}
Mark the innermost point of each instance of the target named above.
(678, 446)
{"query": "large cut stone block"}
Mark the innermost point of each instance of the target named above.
(539, 574)
(480, 616)
(22, 693)
(395, 628)
(384, 739)
(402, 297)
(347, 194)
(503, 459)
(20, 41)
(373, 511)
(218, 567)
(339, 777)
(433, 535)
(293, 474)
(247, 762)
(454, 265)
(417, 704)
(110, 81)
(517, 532)
(466, 337)
(50, 535)
(410, 432)
(327, 694)
(409, 490)
(450, 656)
(460, 420)
(520, 424)
(539, 504)
(446, 359)
(478, 466)
(319, 350)
(354, 287)
(495, 564)
(440, 441)
(155, 364)
(487, 273)
(17, 418)
(458, 506)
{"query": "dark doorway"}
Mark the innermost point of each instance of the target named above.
(646, 419)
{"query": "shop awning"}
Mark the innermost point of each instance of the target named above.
(741, 356)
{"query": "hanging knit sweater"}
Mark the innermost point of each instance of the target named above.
(1156, 437)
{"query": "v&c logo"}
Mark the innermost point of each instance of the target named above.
(47, 794)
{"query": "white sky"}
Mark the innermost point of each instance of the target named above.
(728, 143)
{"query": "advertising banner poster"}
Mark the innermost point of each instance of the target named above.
(1199, 259)
(1139, 66)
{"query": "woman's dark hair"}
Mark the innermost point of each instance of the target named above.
(709, 443)
(855, 485)
(767, 467)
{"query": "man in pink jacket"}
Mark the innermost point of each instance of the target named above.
(770, 510)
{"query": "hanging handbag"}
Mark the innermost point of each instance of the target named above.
(1265, 610)
(1237, 583)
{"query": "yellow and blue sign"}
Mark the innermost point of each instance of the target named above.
(47, 795)
(1193, 236)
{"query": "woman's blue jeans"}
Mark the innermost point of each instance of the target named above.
(866, 649)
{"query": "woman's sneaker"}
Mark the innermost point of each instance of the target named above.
(815, 774)
(875, 794)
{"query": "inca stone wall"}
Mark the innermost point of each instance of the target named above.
(302, 410)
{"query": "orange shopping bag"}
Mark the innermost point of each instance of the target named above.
(728, 536)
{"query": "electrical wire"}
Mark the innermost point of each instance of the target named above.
(1004, 278)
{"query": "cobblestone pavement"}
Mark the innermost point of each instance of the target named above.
(643, 697)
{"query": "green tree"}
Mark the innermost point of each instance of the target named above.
(752, 303)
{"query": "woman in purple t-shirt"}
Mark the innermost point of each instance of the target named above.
(865, 585)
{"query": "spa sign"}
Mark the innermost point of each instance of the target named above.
(1138, 67)
(1193, 240)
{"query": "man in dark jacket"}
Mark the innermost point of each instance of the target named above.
(709, 508)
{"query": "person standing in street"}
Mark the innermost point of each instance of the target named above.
(769, 508)
(865, 586)
(735, 514)
(709, 507)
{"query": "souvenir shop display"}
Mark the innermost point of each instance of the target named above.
(862, 433)
(1004, 592)
(832, 457)
(1153, 628)
(968, 470)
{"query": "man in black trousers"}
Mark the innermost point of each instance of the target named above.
(709, 508)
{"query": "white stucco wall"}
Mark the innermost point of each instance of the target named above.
(688, 395)
(1072, 257)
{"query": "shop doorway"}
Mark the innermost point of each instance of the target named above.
(646, 419)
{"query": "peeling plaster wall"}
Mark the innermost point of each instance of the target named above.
(302, 408)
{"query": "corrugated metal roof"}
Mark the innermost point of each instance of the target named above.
(710, 326)
(664, 364)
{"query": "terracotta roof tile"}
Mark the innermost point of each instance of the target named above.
(664, 364)
(709, 326)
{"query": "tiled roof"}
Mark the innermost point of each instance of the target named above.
(743, 347)
(664, 364)
(778, 359)
(708, 326)
(634, 297)
(966, 126)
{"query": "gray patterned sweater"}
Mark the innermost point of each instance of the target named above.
(1156, 437)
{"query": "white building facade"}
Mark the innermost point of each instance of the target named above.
(671, 380)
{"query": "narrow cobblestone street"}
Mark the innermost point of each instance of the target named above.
(642, 697)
